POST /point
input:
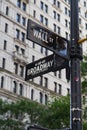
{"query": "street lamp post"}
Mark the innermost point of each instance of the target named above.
(75, 58)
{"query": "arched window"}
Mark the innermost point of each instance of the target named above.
(15, 87)
(46, 99)
(32, 94)
(21, 90)
(41, 97)
(7, 10)
(2, 82)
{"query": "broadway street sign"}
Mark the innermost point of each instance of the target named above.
(44, 65)
(48, 39)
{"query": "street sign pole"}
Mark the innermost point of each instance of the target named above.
(75, 57)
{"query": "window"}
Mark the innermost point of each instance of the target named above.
(22, 36)
(2, 82)
(65, 10)
(55, 73)
(34, 14)
(32, 94)
(46, 82)
(24, 6)
(66, 23)
(54, 13)
(54, 27)
(18, 18)
(59, 30)
(66, 35)
(68, 91)
(84, 3)
(41, 18)
(85, 14)
(55, 87)
(15, 87)
(46, 21)
(16, 68)
(41, 80)
(60, 89)
(80, 31)
(6, 27)
(79, 10)
(69, 12)
(33, 45)
(21, 90)
(5, 45)
(3, 63)
(86, 26)
(54, 2)
(17, 48)
(46, 99)
(46, 8)
(7, 10)
(33, 58)
(19, 3)
(23, 21)
(58, 4)
(34, 1)
(41, 97)
(59, 74)
(17, 34)
(80, 21)
(21, 71)
(58, 17)
(22, 51)
(41, 5)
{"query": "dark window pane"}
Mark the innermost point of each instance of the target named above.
(21, 90)
(2, 82)
(24, 6)
(5, 45)
(17, 33)
(6, 27)
(3, 63)
(7, 10)
(15, 87)
(16, 68)
(41, 97)
(18, 18)
(19, 3)
(23, 21)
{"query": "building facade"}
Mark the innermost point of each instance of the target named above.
(16, 51)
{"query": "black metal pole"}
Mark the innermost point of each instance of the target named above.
(75, 57)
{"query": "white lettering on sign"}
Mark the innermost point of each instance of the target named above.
(42, 35)
(40, 67)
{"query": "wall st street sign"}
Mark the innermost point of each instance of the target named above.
(47, 38)
(44, 65)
